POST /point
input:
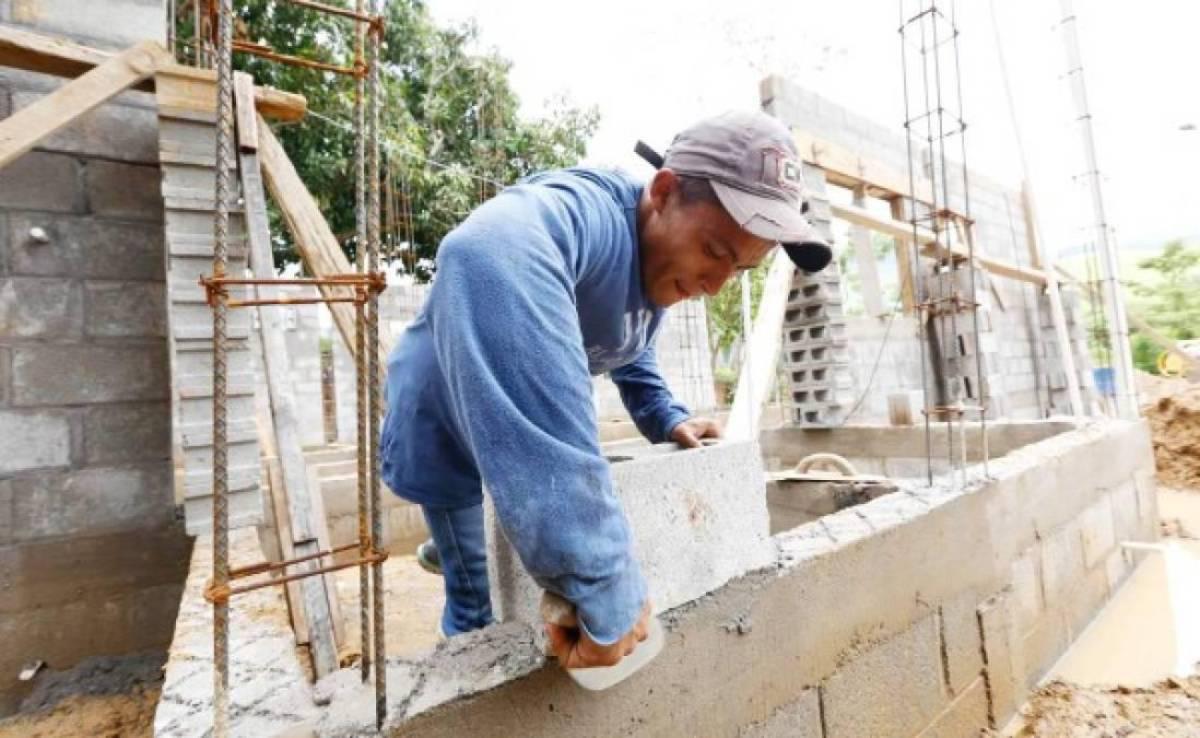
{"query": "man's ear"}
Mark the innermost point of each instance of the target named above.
(662, 185)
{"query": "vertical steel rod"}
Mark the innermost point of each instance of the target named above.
(373, 368)
(360, 344)
(220, 524)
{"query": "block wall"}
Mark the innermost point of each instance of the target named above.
(92, 558)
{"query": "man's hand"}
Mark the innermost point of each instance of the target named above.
(575, 650)
(689, 432)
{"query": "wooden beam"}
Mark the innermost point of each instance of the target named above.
(305, 512)
(35, 52)
(21, 131)
(318, 247)
(904, 261)
(929, 243)
(847, 168)
(868, 271)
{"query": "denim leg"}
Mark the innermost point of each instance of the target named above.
(459, 537)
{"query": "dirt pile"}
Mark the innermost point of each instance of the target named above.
(1174, 417)
(1059, 710)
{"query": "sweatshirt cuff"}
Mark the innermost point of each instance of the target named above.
(611, 611)
(674, 418)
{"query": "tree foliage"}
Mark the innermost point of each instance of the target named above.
(1171, 302)
(450, 131)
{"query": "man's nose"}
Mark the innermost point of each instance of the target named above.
(716, 279)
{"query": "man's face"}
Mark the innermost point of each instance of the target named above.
(689, 250)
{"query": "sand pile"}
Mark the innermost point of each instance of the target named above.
(1060, 710)
(1174, 415)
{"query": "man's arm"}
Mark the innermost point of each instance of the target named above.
(508, 341)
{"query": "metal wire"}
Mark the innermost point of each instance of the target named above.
(373, 367)
(224, 201)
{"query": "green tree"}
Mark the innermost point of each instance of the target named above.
(450, 130)
(725, 308)
(1172, 301)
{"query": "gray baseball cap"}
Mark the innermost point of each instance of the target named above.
(751, 162)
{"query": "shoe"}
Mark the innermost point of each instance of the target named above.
(428, 558)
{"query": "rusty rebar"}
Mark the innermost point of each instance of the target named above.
(373, 369)
(266, 52)
(360, 342)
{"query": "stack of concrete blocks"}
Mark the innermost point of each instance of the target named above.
(187, 154)
(971, 363)
(92, 558)
(698, 517)
(816, 357)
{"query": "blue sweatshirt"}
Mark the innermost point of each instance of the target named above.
(537, 289)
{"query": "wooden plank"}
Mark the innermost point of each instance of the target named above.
(904, 259)
(1035, 258)
(868, 271)
(318, 247)
(247, 121)
(35, 52)
(903, 232)
(22, 130)
(847, 168)
(762, 352)
(302, 515)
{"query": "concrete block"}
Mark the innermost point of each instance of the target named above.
(120, 190)
(42, 181)
(1062, 563)
(114, 434)
(1042, 645)
(34, 440)
(115, 25)
(798, 719)
(125, 131)
(961, 649)
(965, 717)
(120, 309)
(1084, 599)
(1124, 501)
(698, 518)
(39, 308)
(1099, 536)
(998, 634)
(81, 373)
(890, 688)
(1026, 576)
(891, 510)
(84, 247)
(1117, 567)
(90, 500)
(1144, 480)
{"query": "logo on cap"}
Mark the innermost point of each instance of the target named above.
(781, 170)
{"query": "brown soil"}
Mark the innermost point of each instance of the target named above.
(1173, 409)
(1059, 710)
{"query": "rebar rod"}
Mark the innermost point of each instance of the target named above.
(360, 341)
(220, 517)
(917, 277)
(373, 369)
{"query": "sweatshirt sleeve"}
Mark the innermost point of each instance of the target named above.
(508, 341)
(645, 394)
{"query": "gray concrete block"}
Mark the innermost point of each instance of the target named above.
(121, 433)
(965, 717)
(124, 131)
(1124, 500)
(90, 501)
(961, 648)
(889, 688)
(112, 25)
(1042, 645)
(82, 373)
(126, 309)
(119, 190)
(998, 634)
(1099, 536)
(698, 518)
(85, 247)
(42, 181)
(33, 307)
(1084, 600)
(34, 440)
(798, 719)
(1062, 563)
(1144, 481)
(1026, 576)
(5, 376)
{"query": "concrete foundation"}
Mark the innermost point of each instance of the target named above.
(927, 611)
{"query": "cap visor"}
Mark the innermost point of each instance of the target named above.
(765, 217)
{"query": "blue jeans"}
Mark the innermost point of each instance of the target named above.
(462, 548)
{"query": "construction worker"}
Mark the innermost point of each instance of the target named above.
(565, 275)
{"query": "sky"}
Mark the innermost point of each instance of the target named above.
(654, 67)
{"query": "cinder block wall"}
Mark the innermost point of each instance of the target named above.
(1025, 379)
(91, 558)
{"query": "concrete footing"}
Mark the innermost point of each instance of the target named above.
(927, 611)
